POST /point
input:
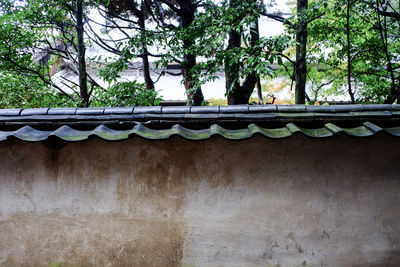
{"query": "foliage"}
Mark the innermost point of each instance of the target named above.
(29, 28)
(216, 102)
(125, 94)
(28, 92)
(327, 57)
(205, 29)
(211, 29)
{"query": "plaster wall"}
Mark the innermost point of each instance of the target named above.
(256, 202)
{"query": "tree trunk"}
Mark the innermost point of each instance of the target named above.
(254, 39)
(348, 53)
(236, 93)
(398, 21)
(146, 70)
(301, 50)
(195, 96)
(81, 55)
(145, 58)
(395, 89)
(259, 92)
(232, 68)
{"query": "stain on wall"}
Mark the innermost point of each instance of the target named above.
(256, 202)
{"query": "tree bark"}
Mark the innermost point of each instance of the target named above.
(259, 92)
(348, 53)
(395, 89)
(145, 58)
(195, 96)
(232, 68)
(258, 81)
(81, 55)
(236, 93)
(398, 21)
(301, 50)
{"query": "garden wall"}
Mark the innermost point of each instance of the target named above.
(255, 202)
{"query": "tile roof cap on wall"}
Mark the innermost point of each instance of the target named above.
(200, 109)
(197, 123)
(248, 109)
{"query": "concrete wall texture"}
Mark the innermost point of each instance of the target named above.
(257, 202)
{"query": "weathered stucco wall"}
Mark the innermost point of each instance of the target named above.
(257, 202)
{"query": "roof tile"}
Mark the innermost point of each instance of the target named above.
(348, 108)
(190, 134)
(263, 108)
(67, 133)
(234, 108)
(177, 109)
(378, 107)
(230, 134)
(226, 116)
(201, 116)
(34, 111)
(90, 111)
(173, 116)
(212, 118)
(372, 127)
(358, 131)
(141, 110)
(275, 133)
(395, 131)
(333, 128)
(322, 108)
(62, 111)
(372, 114)
(118, 110)
(291, 108)
(396, 107)
(10, 112)
(255, 115)
(205, 109)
